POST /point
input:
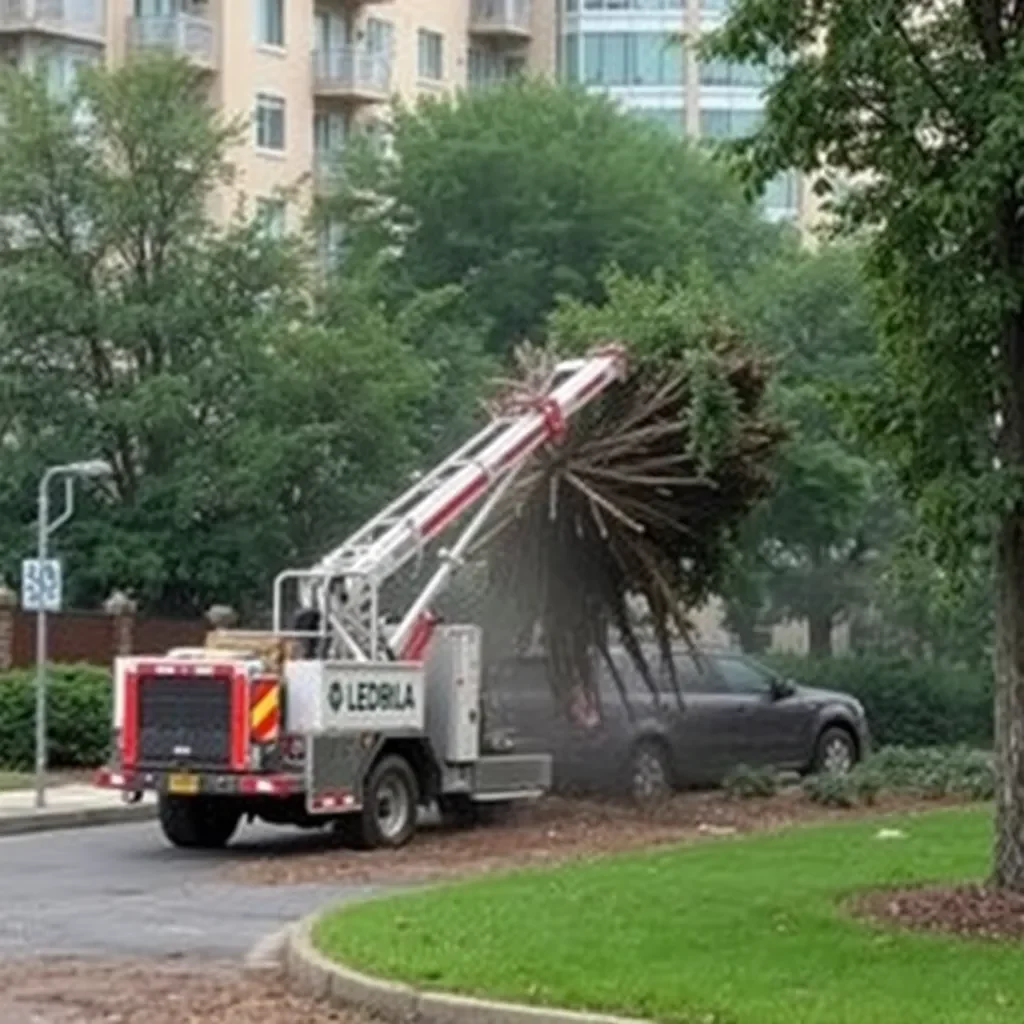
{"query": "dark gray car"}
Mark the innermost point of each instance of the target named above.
(735, 711)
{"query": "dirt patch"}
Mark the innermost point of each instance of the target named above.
(550, 831)
(77, 992)
(967, 911)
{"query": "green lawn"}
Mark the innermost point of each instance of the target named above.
(733, 932)
(15, 780)
(26, 780)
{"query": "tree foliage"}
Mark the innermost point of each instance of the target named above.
(243, 434)
(527, 191)
(807, 552)
(920, 108)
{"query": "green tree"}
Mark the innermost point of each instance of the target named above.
(806, 553)
(920, 109)
(524, 192)
(243, 434)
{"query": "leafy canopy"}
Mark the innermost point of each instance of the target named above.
(526, 191)
(134, 326)
(913, 117)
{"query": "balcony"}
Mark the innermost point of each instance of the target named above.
(67, 19)
(186, 35)
(501, 20)
(354, 73)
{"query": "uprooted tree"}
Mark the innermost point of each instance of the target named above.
(641, 499)
(920, 108)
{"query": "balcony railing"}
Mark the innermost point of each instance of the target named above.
(508, 18)
(184, 34)
(354, 71)
(75, 18)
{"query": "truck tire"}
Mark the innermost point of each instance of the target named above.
(390, 799)
(196, 822)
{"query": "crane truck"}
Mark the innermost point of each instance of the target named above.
(333, 716)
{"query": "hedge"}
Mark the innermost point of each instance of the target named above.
(908, 703)
(78, 717)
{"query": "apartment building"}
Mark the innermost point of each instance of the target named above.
(640, 52)
(307, 73)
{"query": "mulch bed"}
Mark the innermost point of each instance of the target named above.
(966, 911)
(154, 992)
(552, 831)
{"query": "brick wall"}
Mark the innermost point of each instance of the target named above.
(93, 637)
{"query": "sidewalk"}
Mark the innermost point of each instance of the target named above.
(71, 806)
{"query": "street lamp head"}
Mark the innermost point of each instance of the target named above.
(91, 468)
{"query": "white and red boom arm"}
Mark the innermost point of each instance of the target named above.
(401, 532)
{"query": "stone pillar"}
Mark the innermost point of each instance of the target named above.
(121, 608)
(222, 616)
(8, 603)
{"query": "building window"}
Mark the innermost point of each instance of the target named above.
(270, 122)
(269, 17)
(729, 124)
(781, 195)
(430, 62)
(671, 119)
(488, 67)
(330, 244)
(380, 37)
(59, 69)
(732, 75)
(272, 217)
(632, 58)
(647, 6)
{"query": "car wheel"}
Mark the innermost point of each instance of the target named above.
(836, 752)
(650, 779)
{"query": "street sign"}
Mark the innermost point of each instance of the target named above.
(41, 585)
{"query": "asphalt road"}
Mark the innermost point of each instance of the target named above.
(120, 891)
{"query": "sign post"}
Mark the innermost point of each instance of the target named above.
(42, 589)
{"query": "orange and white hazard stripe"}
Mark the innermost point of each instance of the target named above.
(265, 714)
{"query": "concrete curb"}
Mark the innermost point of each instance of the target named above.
(312, 974)
(85, 817)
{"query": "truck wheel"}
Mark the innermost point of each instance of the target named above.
(388, 817)
(197, 823)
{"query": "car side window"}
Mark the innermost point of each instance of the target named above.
(695, 676)
(743, 678)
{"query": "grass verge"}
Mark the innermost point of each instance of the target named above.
(26, 780)
(736, 932)
(15, 780)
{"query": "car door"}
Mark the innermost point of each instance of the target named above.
(766, 729)
(699, 732)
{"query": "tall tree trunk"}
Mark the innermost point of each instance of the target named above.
(1009, 625)
(819, 634)
(1009, 711)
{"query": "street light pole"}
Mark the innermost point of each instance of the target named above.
(45, 529)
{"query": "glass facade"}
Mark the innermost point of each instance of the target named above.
(635, 51)
(624, 58)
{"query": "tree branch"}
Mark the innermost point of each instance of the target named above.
(985, 17)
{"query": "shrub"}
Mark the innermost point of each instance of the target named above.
(78, 717)
(909, 703)
(930, 772)
(832, 789)
(746, 783)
